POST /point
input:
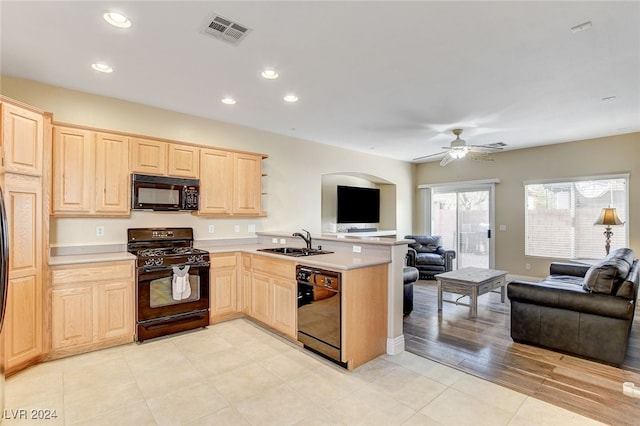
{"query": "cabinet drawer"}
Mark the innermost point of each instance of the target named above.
(282, 268)
(92, 272)
(223, 260)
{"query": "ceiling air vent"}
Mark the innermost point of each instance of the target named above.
(226, 30)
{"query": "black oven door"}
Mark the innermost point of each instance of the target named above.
(163, 308)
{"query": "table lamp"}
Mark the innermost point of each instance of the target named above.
(608, 217)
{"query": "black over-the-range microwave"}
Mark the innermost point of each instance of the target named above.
(161, 193)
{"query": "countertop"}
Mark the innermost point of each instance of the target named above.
(336, 260)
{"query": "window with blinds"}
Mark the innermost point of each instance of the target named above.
(559, 216)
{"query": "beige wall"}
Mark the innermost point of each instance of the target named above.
(610, 155)
(294, 167)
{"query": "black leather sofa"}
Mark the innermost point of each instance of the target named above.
(579, 309)
(428, 255)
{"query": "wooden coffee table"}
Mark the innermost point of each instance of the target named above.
(472, 282)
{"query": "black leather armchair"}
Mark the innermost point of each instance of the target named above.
(428, 255)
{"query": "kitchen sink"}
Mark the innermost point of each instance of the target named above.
(294, 251)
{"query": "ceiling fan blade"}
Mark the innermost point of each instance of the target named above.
(483, 156)
(429, 156)
(482, 148)
(447, 159)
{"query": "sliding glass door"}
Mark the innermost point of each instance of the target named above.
(463, 216)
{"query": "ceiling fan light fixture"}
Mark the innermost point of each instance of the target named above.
(458, 153)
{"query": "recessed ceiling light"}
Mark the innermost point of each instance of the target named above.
(117, 19)
(102, 68)
(228, 100)
(269, 74)
(291, 98)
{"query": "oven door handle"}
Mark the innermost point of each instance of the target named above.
(193, 266)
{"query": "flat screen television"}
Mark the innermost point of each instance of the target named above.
(358, 205)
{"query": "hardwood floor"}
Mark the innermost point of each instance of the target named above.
(483, 347)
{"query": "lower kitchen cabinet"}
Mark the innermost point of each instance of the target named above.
(92, 306)
(223, 287)
(274, 294)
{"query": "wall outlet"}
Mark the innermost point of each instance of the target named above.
(251, 228)
(274, 240)
(527, 266)
(236, 228)
(212, 229)
(99, 231)
(357, 249)
(283, 241)
(503, 228)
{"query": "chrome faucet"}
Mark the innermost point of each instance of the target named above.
(307, 238)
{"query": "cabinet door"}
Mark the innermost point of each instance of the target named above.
(247, 186)
(285, 297)
(22, 140)
(112, 174)
(223, 291)
(72, 170)
(72, 316)
(114, 309)
(216, 181)
(148, 156)
(184, 161)
(261, 298)
(22, 332)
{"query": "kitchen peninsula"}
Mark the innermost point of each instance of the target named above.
(248, 282)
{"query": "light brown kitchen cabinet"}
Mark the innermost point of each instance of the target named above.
(364, 314)
(223, 289)
(274, 294)
(148, 156)
(285, 299)
(23, 328)
(183, 161)
(72, 183)
(22, 140)
(23, 175)
(162, 158)
(230, 183)
(92, 306)
(90, 173)
(112, 188)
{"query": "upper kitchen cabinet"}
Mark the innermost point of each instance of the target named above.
(183, 161)
(22, 139)
(162, 158)
(90, 173)
(230, 183)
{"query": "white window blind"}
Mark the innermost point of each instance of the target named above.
(559, 217)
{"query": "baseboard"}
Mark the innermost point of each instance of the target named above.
(395, 346)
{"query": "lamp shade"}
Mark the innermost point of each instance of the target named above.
(608, 216)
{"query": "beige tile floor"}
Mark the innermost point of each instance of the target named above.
(237, 373)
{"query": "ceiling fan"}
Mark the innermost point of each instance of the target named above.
(459, 149)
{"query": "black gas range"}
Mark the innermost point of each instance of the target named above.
(172, 289)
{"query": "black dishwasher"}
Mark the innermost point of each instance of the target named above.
(319, 311)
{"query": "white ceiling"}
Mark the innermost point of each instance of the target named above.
(385, 77)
